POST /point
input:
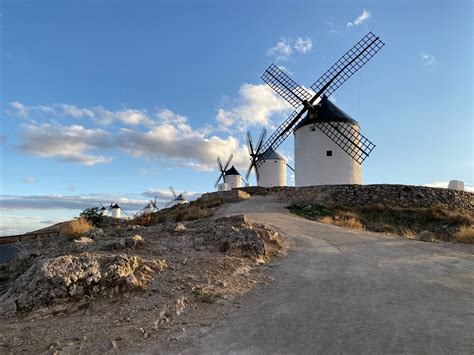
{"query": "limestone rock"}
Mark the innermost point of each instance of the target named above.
(425, 236)
(176, 228)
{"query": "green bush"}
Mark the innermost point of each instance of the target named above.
(92, 215)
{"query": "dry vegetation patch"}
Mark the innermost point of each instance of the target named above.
(76, 228)
(447, 224)
(191, 211)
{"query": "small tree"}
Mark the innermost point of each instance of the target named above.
(92, 215)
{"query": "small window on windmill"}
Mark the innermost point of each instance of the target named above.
(312, 128)
(329, 153)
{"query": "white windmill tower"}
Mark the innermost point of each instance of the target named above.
(178, 199)
(326, 133)
(232, 178)
(115, 210)
(329, 163)
(270, 169)
(103, 211)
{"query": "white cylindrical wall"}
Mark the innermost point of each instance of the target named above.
(223, 187)
(234, 181)
(313, 166)
(272, 173)
(103, 212)
(116, 212)
(147, 210)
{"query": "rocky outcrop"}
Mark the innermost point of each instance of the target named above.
(52, 281)
(388, 195)
(233, 195)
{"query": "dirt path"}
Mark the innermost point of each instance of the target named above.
(342, 291)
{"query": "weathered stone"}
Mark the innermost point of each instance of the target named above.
(425, 236)
(386, 195)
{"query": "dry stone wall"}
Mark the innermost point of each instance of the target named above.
(389, 195)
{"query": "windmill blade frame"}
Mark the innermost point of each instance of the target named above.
(354, 59)
(289, 166)
(173, 192)
(286, 87)
(228, 162)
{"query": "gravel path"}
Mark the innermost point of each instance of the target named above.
(342, 291)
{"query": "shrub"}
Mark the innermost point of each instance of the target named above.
(145, 219)
(193, 213)
(76, 228)
(92, 215)
(465, 235)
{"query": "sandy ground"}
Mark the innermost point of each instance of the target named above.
(342, 291)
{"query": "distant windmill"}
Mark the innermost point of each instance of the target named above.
(269, 170)
(231, 177)
(149, 208)
(329, 148)
(103, 211)
(178, 199)
(113, 209)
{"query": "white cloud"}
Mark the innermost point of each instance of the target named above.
(363, 17)
(176, 143)
(72, 110)
(254, 107)
(19, 109)
(165, 195)
(168, 137)
(303, 45)
(11, 224)
(128, 116)
(444, 184)
(28, 180)
(68, 202)
(427, 58)
(68, 143)
(282, 50)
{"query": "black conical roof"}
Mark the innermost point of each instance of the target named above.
(115, 206)
(103, 209)
(273, 155)
(231, 171)
(326, 111)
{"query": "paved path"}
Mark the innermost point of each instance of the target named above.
(342, 291)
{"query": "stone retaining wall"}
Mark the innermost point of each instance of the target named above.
(389, 195)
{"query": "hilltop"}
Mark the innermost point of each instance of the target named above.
(180, 280)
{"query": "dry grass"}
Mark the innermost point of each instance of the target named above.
(146, 219)
(192, 213)
(465, 235)
(351, 223)
(448, 224)
(407, 233)
(194, 210)
(76, 228)
(346, 222)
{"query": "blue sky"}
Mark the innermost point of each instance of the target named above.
(117, 100)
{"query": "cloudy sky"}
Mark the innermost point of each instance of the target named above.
(117, 100)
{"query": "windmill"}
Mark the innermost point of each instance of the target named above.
(103, 211)
(178, 199)
(113, 209)
(341, 134)
(149, 208)
(269, 170)
(231, 177)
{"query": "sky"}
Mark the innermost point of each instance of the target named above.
(117, 100)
